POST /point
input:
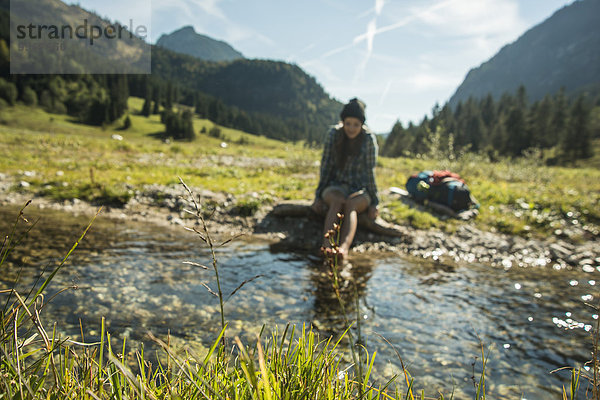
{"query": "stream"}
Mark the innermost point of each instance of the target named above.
(530, 321)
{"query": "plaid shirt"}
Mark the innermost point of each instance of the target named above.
(359, 171)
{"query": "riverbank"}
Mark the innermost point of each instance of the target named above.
(230, 216)
(530, 214)
(131, 274)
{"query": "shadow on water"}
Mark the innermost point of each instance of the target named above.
(533, 320)
(327, 311)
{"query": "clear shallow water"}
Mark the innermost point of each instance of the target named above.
(434, 314)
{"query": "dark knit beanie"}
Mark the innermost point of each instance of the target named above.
(355, 108)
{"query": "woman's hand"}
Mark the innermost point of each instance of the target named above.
(372, 212)
(318, 206)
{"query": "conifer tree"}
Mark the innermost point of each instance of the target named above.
(577, 141)
(127, 123)
(169, 97)
(187, 127)
(147, 107)
(541, 123)
(488, 111)
(516, 130)
(29, 96)
(558, 125)
(8, 92)
(156, 95)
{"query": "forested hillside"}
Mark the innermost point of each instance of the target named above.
(272, 90)
(539, 96)
(561, 52)
(556, 129)
(269, 98)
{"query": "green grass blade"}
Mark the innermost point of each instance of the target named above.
(214, 345)
(62, 263)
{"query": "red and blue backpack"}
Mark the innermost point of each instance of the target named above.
(443, 187)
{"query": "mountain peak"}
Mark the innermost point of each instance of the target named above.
(188, 29)
(561, 52)
(187, 41)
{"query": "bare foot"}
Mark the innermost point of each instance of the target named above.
(337, 255)
(342, 253)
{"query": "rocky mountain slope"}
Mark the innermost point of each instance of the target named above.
(187, 41)
(562, 51)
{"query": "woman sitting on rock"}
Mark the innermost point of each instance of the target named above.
(347, 181)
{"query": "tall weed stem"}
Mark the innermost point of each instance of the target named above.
(206, 238)
(333, 260)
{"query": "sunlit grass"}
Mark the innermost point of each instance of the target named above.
(72, 160)
(36, 362)
(82, 156)
(518, 197)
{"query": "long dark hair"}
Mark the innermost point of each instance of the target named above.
(346, 148)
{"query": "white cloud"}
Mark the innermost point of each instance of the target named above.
(293, 57)
(202, 15)
(372, 29)
(385, 92)
(325, 72)
(379, 6)
(237, 33)
(369, 36)
(210, 7)
(414, 14)
(417, 83)
(375, 10)
(483, 17)
(487, 24)
(331, 52)
(188, 7)
(427, 81)
(178, 13)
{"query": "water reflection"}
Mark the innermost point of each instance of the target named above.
(353, 280)
(434, 314)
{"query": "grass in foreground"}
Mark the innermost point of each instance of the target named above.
(36, 363)
(70, 160)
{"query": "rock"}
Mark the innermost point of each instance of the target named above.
(177, 221)
(559, 251)
(466, 244)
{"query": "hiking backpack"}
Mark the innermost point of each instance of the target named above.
(443, 187)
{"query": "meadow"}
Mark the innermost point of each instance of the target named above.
(51, 155)
(62, 159)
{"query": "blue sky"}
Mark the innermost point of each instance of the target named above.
(399, 56)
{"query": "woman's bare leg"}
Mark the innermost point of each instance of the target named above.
(354, 205)
(335, 201)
